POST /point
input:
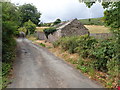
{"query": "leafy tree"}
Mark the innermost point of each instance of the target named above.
(30, 27)
(10, 25)
(112, 19)
(112, 15)
(22, 29)
(29, 12)
(89, 4)
(57, 21)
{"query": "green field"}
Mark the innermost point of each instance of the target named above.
(96, 25)
(93, 21)
(97, 29)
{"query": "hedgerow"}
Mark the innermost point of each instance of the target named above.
(102, 55)
(9, 30)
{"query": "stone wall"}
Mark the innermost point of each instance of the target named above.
(55, 36)
(101, 35)
(40, 35)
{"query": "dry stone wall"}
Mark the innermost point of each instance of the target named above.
(40, 35)
(101, 35)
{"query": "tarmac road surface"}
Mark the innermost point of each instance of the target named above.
(36, 67)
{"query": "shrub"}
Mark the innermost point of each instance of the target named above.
(85, 45)
(57, 21)
(30, 27)
(43, 45)
(9, 30)
(56, 43)
(22, 29)
(48, 31)
(5, 68)
(103, 52)
(69, 43)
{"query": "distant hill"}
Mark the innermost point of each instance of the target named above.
(94, 21)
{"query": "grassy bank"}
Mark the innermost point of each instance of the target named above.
(8, 56)
(97, 58)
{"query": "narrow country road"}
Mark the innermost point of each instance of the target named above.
(36, 67)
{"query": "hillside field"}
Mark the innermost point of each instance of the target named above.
(93, 21)
(97, 29)
(91, 28)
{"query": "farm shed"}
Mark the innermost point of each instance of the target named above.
(70, 28)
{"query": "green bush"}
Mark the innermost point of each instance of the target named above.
(102, 53)
(43, 45)
(5, 68)
(56, 43)
(69, 43)
(10, 25)
(48, 31)
(57, 22)
(30, 27)
(22, 29)
(85, 45)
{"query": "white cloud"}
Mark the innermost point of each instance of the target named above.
(63, 9)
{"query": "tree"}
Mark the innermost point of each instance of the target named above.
(10, 18)
(57, 21)
(30, 27)
(89, 4)
(29, 12)
(112, 15)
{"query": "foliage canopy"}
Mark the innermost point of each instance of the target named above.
(29, 12)
(30, 27)
(57, 21)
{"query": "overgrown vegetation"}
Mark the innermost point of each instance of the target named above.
(57, 22)
(94, 54)
(13, 17)
(10, 24)
(48, 31)
(43, 45)
(30, 27)
(29, 12)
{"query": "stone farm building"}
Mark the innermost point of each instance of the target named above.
(69, 28)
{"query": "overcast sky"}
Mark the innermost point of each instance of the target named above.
(63, 9)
